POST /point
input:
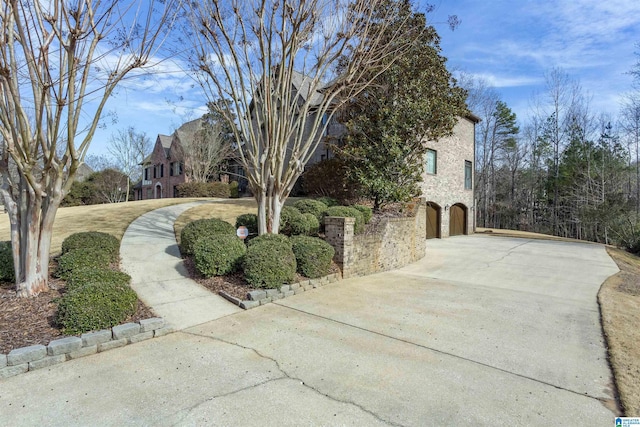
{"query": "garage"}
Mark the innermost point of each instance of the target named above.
(457, 220)
(433, 220)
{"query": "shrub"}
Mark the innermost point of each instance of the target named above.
(328, 178)
(203, 189)
(313, 223)
(81, 258)
(315, 207)
(202, 227)
(250, 221)
(291, 221)
(330, 202)
(279, 238)
(7, 273)
(234, 192)
(95, 306)
(218, 254)
(103, 276)
(93, 240)
(298, 225)
(313, 256)
(366, 211)
(269, 263)
(346, 211)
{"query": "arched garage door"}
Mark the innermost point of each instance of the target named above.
(457, 220)
(433, 220)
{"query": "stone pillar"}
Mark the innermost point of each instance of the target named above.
(339, 233)
(420, 232)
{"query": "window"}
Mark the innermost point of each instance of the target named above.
(149, 193)
(468, 175)
(146, 174)
(171, 166)
(155, 171)
(180, 171)
(432, 160)
(161, 170)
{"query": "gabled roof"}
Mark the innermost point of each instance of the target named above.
(165, 142)
(302, 85)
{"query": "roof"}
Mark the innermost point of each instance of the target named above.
(475, 119)
(165, 141)
(302, 84)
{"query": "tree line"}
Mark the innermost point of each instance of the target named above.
(567, 170)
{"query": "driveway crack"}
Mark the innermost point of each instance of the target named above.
(285, 375)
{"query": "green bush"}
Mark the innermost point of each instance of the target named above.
(93, 240)
(83, 276)
(346, 211)
(234, 193)
(329, 201)
(366, 211)
(95, 306)
(313, 255)
(291, 221)
(203, 189)
(7, 273)
(250, 221)
(218, 255)
(278, 238)
(313, 223)
(81, 258)
(329, 178)
(311, 206)
(269, 263)
(202, 227)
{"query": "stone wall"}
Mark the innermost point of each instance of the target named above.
(395, 243)
(21, 360)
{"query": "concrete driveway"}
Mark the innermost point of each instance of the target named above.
(483, 331)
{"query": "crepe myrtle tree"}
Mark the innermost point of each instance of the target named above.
(276, 62)
(60, 60)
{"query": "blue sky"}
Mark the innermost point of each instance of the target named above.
(509, 43)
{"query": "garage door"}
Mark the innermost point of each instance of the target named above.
(457, 220)
(433, 220)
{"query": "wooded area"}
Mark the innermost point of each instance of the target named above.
(566, 171)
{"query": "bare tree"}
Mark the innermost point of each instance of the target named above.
(60, 61)
(630, 124)
(276, 61)
(128, 148)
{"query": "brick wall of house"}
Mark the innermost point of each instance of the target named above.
(163, 184)
(447, 187)
(395, 243)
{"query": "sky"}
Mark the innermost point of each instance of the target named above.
(512, 44)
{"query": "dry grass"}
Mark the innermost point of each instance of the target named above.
(619, 299)
(109, 218)
(227, 210)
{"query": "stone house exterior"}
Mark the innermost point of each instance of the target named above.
(162, 170)
(448, 181)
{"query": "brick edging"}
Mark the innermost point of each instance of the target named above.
(24, 359)
(265, 296)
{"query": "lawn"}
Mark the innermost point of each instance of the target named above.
(112, 218)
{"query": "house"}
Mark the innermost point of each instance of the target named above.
(448, 181)
(163, 170)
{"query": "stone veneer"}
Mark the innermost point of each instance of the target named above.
(395, 243)
(21, 360)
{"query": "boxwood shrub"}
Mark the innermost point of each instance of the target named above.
(202, 227)
(315, 207)
(95, 306)
(93, 240)
(203, 189)
(329, 201)
(234, 189)
(366, 211)
(313, 225)
(84, 276)
(7, 273)
(218, 254)
(81, 258)
(279, 238)
(269, 262)
(313, 255)
(250, 221)
(346, 211)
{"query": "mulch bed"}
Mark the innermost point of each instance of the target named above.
(30, 321)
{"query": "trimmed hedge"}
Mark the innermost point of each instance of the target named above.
(269, 262)
(366, 211)
(93, 240)
(7, 272)
(313, 256)
(250, 221)
(203, 189)
(218, 255)
(84, 276)
(315, 207)
(313, 223)
(95, 306)
(329, 201)
(77, 259)
(279, 238)
(234, 191)
(346, 211)
(202, 227)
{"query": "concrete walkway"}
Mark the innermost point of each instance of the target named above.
(150, 255)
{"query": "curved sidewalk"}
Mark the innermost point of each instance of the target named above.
(150, 255)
